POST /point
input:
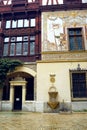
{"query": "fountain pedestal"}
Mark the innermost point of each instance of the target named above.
(53, 103)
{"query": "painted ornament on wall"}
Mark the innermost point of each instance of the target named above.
(55, 27)
(55, 36)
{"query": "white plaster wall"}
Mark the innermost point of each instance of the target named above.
(62, 79)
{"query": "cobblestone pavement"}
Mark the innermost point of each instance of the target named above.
(42, 121)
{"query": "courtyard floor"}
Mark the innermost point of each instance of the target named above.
(42, 121)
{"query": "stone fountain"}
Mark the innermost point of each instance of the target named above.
(53, 94)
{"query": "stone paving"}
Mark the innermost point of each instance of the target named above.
(42, 121)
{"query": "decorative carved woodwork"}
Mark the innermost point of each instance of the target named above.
(19, 2)
(72, 1)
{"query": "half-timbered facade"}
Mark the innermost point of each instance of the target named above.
(20, 38)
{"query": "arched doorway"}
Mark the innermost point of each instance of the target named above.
(21, 84)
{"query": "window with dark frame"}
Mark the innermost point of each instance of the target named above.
(19, 45)
(75, 39)
(6, 91)
(30, 89)
(78, 84)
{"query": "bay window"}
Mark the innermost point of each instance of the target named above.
(20, 23)
(19, 45)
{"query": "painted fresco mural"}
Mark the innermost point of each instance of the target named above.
(55, 28)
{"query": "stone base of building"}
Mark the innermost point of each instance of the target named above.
(79, 106)
(6, 106)
(33, 106)
(36, 106)
(65, 107)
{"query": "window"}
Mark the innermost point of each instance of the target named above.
(51, 2)
(6, 39)
(25, 45)
(78, 84)
(26, 23)
(12, 46)
(18, 48)
(5, 52)
(20, 45)
(32, 22)
(0, 24)
(20, 23)
(7, 2)
(32, 45)
(75, 39)
(12, 49)
(8, 24)
(25, 48)
(6, 92)
(13, 39)
(14, 23)
(30, 89)
(6, 47)
(19, 39)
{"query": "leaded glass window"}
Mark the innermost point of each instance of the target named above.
(19, 45)
(32, 45)
(18, 48)
(12, 49)
(5, 51)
